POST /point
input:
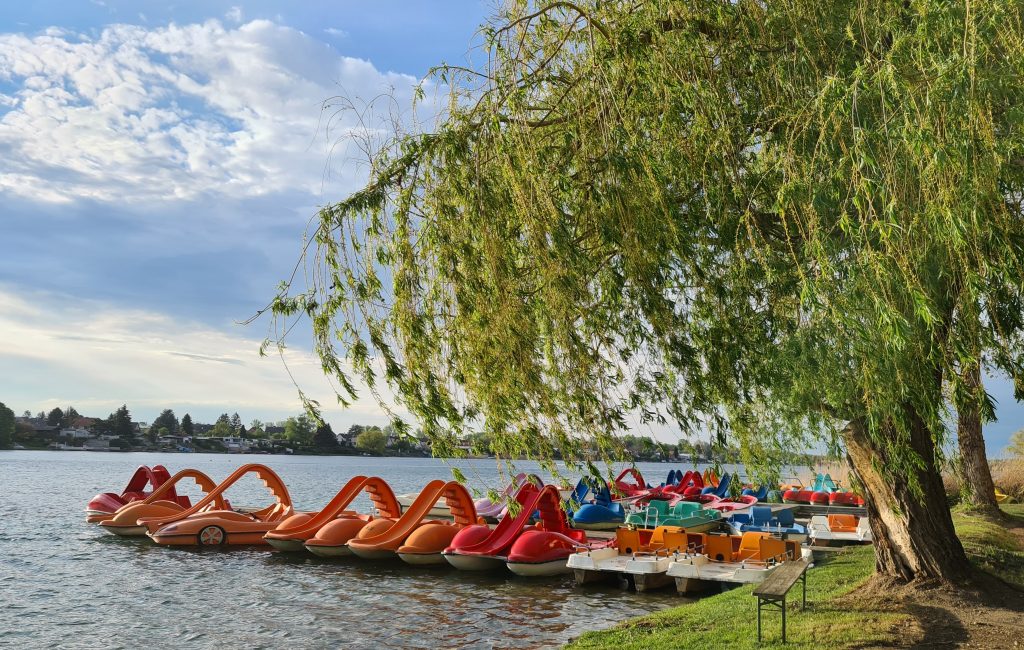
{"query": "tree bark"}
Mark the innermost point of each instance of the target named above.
(975, 471)
(914, 537)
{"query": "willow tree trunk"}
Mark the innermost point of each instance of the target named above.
(914, 537)
(975, 472)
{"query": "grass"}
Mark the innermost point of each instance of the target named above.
(729, 619)
(989, 545)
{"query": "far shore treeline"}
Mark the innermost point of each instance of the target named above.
(66, 428)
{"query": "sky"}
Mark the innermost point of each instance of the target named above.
(159, 163)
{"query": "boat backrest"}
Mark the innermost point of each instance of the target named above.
(750, 545)
(723, 485)
(785, 517)
(718, 547)
(685, 509)
(842, 523)
(819, 481)
(828, 485)
(670, 538)
(772, 548)
(760, 515)
(627, 540)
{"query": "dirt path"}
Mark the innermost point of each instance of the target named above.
(988, 613)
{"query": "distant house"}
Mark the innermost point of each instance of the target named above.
(46, 431)
(346, 439)
(230, 443)
(79, 433)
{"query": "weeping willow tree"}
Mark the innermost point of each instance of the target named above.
(779, 222)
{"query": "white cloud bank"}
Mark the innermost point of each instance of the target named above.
(96, 357)
(176, 113)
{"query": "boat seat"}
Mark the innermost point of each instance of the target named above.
(842, 523)
(786, 518)
(760, 515)
(750, 546)
(718, 548)
(772, 549)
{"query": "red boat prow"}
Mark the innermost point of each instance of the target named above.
(109, 502)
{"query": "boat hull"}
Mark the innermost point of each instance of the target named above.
(341, 550)
(289, 545)
(423, 559)
(372, 553)
(476, 562)
(538, 569)
(126, 531)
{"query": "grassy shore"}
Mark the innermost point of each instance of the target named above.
(843, 611)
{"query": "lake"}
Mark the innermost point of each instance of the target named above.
(67, 583)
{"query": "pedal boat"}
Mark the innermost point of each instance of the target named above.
(599, 514)
(124, 522)
(478, 548)
(295, 532)
(684, 514)
(103, 505)
(839, 529)
(414, 538)
(197, 526)
(745, 559)
(761, 520)
(640, 556)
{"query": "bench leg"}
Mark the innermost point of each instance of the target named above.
(803, 579)
(783, 619)
(759, 620)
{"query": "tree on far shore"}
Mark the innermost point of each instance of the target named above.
(166, 420)
(299, 430)
(55, 417)
(186, 426)
(372, 440)
(6, 427)
(324, 437)
(120, 424)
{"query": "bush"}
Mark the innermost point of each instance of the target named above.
(1008, 476)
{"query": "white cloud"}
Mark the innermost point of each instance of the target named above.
(337, 33)
(96, 357)
(177, 112)
(234, 14)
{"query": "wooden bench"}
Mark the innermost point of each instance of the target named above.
(772, 592)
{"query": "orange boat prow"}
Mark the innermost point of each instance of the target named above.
(294, 532)
(200, 526)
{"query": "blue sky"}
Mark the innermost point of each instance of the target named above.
(158, 165)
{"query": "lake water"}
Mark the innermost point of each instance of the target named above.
(66, 583)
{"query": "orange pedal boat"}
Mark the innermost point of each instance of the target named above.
(338, 523)
(198, 526)
(124, 522)
(414, 538)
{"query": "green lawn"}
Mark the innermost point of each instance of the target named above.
(729, 619)
(990, 546)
